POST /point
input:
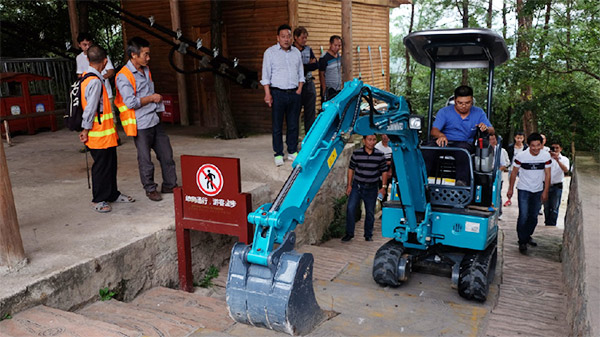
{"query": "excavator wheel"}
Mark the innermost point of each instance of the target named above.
(477, 273)
(385, 265)
(280, 297)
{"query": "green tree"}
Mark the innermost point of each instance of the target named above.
(40, 28)
(557, 69)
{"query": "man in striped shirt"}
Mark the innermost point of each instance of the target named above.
(367, 165)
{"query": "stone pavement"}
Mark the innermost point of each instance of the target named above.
(532, 297)
(525, 300)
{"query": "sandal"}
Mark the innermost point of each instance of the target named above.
(102, 207)
(125, 199)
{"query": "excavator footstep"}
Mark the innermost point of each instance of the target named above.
(280, 299)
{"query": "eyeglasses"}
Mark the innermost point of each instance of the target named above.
(463, 103)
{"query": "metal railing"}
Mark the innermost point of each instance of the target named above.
(61, 70)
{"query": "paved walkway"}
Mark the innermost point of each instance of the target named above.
(532, 297)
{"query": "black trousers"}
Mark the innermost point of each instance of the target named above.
(104, 175)
(156, 139)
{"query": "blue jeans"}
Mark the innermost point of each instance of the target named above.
(285, 105)
(552, 204)
(529, 206)
(368, 194)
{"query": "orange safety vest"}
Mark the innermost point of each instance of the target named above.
(102, 135)
(127, 115)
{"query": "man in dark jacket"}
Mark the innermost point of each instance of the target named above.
(309, 93)
(517, 147)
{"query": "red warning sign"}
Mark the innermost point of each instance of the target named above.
(206, 203)
(209, 179)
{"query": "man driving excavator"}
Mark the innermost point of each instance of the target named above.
(456, 126)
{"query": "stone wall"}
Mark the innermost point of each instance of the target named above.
(581, 242)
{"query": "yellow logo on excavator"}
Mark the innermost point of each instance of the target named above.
(332, 158)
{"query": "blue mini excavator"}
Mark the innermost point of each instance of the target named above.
(432, 222)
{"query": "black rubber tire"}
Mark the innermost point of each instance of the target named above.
(385, 265)
(476, 273)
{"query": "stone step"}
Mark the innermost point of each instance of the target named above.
(46, 321)
(149, 323)
(208, 312)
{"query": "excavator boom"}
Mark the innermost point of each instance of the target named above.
(269, 283)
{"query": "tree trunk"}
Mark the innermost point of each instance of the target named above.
(223, 100)
(73, 21)
(504, 23)
(489, 14)
(524, 21)
(409, 76)
(569, 5)
(465, 21)
(11, 245)
(544, 39)
(84, 16)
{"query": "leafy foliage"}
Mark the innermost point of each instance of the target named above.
(563, 68)
(211, 273)
(106, 294)
(337, 227)
(40, 28)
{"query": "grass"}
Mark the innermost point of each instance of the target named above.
(337, 227)
(211, 273)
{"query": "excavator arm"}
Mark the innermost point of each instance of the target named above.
(269, 283)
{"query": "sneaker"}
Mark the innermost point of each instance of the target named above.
(523, 248)
(532, 243)
(292, 156)
(154, 196)
(278, 160)
(347, 238)
(368, 238)
(500, 217)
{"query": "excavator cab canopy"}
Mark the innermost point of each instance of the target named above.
(463, 48)
(457, 48)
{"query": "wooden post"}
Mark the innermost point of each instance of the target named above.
(73, 21)
(181, 84)
(347, 49)
(293, 13)
(11, 246)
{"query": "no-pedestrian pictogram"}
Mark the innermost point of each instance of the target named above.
(209, 179)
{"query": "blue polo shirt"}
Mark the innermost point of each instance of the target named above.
(457, 129)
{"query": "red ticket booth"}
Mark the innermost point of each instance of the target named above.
(17, 100)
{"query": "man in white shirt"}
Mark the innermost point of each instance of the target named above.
(504, 164)
(533, 168)
(282, 79)
(558, 168)
(85, 42)
(387, 152)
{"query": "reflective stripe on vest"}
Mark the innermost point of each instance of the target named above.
(102, 135)
(127, 115)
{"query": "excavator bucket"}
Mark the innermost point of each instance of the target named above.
(278, 297)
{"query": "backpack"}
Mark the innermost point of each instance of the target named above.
(74, 115)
